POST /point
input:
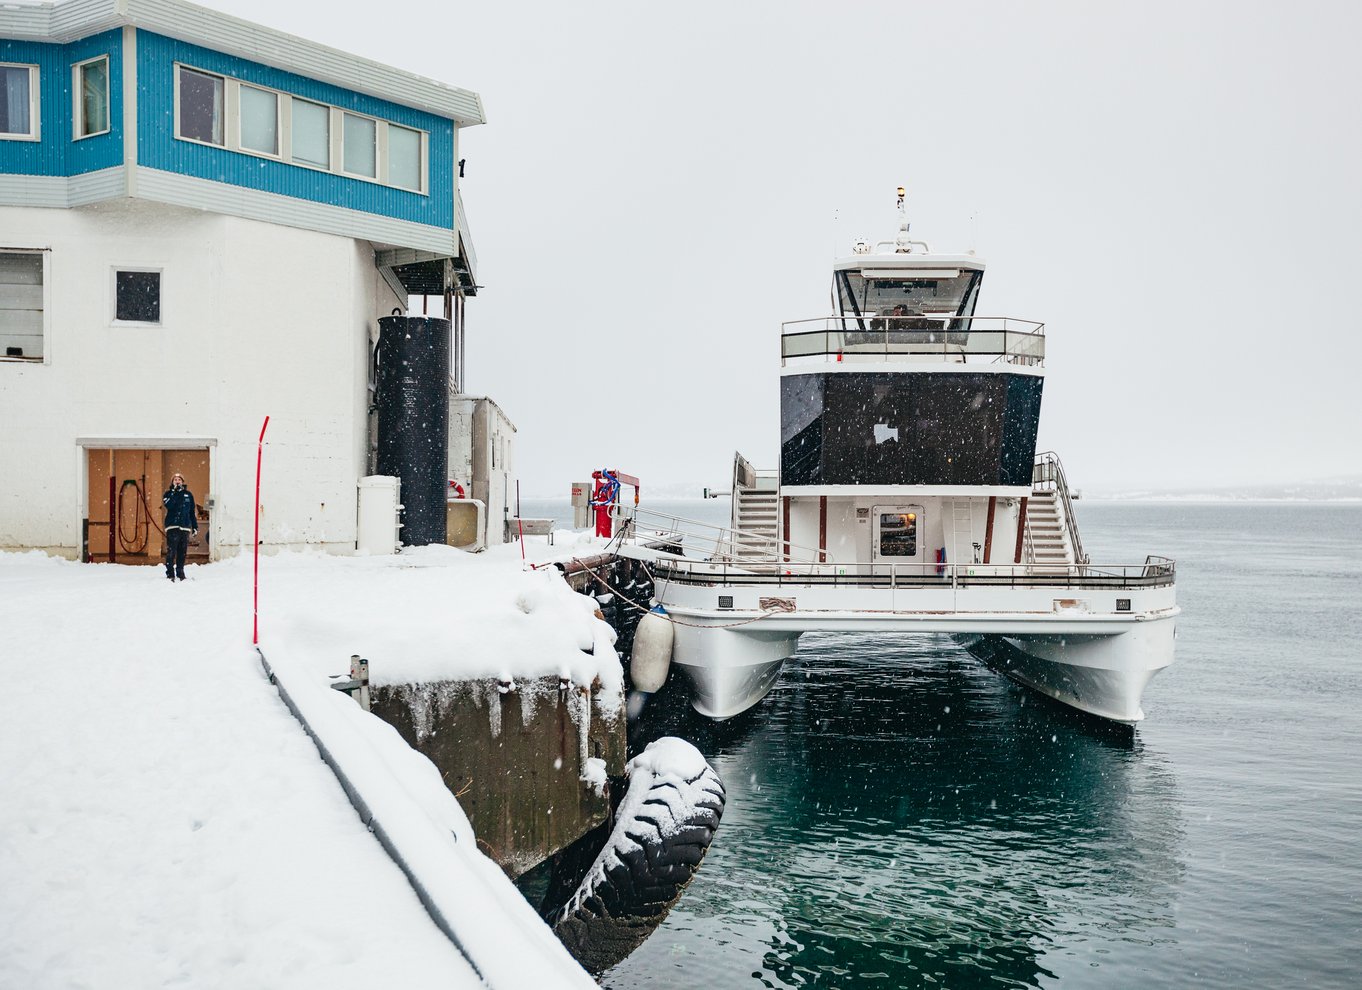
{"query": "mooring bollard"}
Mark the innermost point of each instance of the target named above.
(357, 686)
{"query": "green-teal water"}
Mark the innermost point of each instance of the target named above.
(900, 816)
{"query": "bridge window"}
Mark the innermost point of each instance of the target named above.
(404, 157)
(18, 102)
(90, 88)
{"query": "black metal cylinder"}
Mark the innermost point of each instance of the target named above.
(413, 420)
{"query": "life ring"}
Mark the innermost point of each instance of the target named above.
(457, 489)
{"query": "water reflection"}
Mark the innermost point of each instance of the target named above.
(899, 815)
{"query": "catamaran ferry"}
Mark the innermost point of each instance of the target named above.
(909, 498)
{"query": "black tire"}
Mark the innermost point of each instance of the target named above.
(647, 862)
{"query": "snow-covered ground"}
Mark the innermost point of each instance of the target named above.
(166, 821)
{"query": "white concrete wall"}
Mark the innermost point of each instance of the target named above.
(257, 319)
(482, 458)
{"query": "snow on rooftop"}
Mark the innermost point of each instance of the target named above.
(167, 820)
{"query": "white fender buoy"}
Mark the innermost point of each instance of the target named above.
(652, 653)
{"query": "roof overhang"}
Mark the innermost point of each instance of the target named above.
(908, 262)
(65, 22)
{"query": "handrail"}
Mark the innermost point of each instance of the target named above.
(1003, 338)
(1048, 469)
(1154, 572)
(720, 543)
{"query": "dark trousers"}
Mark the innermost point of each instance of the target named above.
(177, 545)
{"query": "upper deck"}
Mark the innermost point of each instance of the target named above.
(898, 304)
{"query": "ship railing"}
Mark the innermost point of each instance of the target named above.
(948, 339)
(1153, 573)
(1048, 475)
(746, 549)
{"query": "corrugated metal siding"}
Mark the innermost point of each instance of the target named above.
(60, 191)
(105, 150)
(56, 153)
(73, 19)
(219, 197)
(360, 75)
(158, 148)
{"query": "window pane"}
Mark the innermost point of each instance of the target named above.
(139, 297)
(201, 106)
(259, 120)
(14, 100)
(359, 134)
(404, 157)
(21, 305)
(94, 97)
(311, 134)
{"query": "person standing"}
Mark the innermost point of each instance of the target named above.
(182, 518)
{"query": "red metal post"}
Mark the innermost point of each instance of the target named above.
(255, 590)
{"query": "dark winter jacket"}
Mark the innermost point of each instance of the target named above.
(180, 510)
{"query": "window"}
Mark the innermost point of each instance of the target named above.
(311, 134)
(201, 98)
(404, 157)
(256, 120)
(19, 102)
(21, 304)
(361, 142)
(90, 88)
(137, 296)
(259, 120)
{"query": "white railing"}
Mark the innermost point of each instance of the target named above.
(704, 541)
(1048, 475)
(938, 337)
(1154, 572)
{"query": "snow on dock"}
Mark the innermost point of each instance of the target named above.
(166, 820)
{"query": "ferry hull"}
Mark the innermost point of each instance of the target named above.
(730, 670)
(1103, 676)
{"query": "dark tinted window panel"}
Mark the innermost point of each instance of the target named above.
(139, 297)
(922, 428)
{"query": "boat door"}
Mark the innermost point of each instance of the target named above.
(897, 536)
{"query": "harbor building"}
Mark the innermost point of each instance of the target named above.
(202, 221)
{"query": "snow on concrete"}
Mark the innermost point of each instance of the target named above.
(167, 821)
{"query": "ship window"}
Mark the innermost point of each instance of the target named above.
(898, 534)
(906, 297)
(19, 102)
(404, 157)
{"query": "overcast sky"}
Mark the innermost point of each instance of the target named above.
(1175, 189)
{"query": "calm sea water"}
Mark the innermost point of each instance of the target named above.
(899, 816)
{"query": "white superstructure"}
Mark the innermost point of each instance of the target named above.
(910, 497)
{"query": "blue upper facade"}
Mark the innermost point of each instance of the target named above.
(158, 147)
(379, 145)
(57, 153)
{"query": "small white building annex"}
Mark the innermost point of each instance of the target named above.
(201, 222)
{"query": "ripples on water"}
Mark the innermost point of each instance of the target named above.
(900, 816)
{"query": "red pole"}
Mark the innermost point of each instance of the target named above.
(255, 591)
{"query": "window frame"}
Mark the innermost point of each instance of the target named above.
(335, 124)
(238, 119)
(35, 119)
(226, 108)
(78, 101)
(159, 270)
(46, 356)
